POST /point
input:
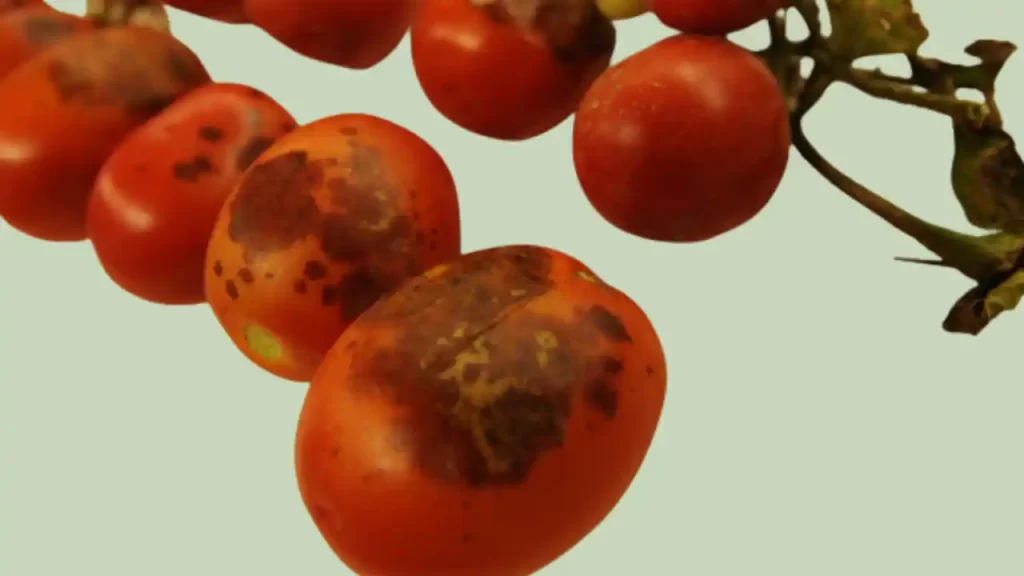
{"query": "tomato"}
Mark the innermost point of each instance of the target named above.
(682, 141)
(230, 11)
(11, 5)
(623, 9)
(67, 109)
(509, 69)
(330, 218)
(24, 32)
(482, 419)
(714, 17)
(156, 199)
(351, 33)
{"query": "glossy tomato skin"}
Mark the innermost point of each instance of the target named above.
(509, 77)
(328, 219)
(156, 199)
(27, 31)
(67, 109)
(482, 419)
(714, 17)
(355, 34)
(230, 11)
(682, 141)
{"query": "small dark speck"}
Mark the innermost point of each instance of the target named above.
(300, 287)
(602, 396)
(231, 289)
(649, 369)
(268, 275)
(611, 365)
(315, 270)
(245, 275)
(191, 170)
(211, 133)
(218, 269)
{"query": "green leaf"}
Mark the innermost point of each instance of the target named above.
(988, 177)
(976, 309)
(874, 28)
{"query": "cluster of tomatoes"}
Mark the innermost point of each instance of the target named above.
(470, 414)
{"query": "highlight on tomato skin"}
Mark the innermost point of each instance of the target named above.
(155, 201)
(26, 31)
(331, 217)
(509, 69)
(356, 34)
(682, 141)
(481, 419)
(68, 108)
(229, 11)
(714, 17)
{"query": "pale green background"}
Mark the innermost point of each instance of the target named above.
(819, 422)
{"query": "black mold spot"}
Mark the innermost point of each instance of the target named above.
(608, 324)
(193, 169)
(210, 134)
(231, 289)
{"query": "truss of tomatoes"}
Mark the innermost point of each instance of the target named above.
(468, 413)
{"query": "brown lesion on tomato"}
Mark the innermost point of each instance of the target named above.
(210, 133)
(192, 169)
(218, 269)
(575, 30)
(489, 382)
(231, 289)
(45, 29)
(246, 275)
(251, 151)
(608, 324)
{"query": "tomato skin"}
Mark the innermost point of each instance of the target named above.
(67, 109)
(714, 17)
(508, 78)
(27, 31)
(11, 5)
(682, 141)
(328, 219)
(230, 11)
(156, 199)
(482, 419)
(355, 34)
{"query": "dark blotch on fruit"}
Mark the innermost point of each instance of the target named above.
(191, 170)
(210, 134)
(231, 289)
(251, 151)
(246, 275)
(218, 269)
(602, 395)
(274, 208)
(45, 30)
(608, 324)
(314, 270)
(359, 290)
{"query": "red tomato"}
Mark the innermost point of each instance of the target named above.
(714, 17)
(66, 110)
(330, 218)
(351, 33)
(231, 11)
(25, 32)
(9, 5)
(156, 199)
(482, 419)
(682, 141)
(509, 69)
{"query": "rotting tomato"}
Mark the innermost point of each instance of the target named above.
(714, 17)
(482, 419)
(66, 110)
(230, 11)
(509, 69)
(355, 34)
(330, 218)
(682, 141)
(156, 199)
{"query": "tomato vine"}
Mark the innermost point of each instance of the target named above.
(987, 171)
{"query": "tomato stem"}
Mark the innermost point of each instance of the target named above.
(113, 13)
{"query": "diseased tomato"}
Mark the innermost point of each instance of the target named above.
(682, 141)
(231, 11)
(509, 69)
(156, 199)
(714, 17)
(67, 109)
(351, 33)
(482, 419)
(10, 5)
(331, 217)
(27, 31)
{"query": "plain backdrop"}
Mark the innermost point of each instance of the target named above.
(818, 422)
